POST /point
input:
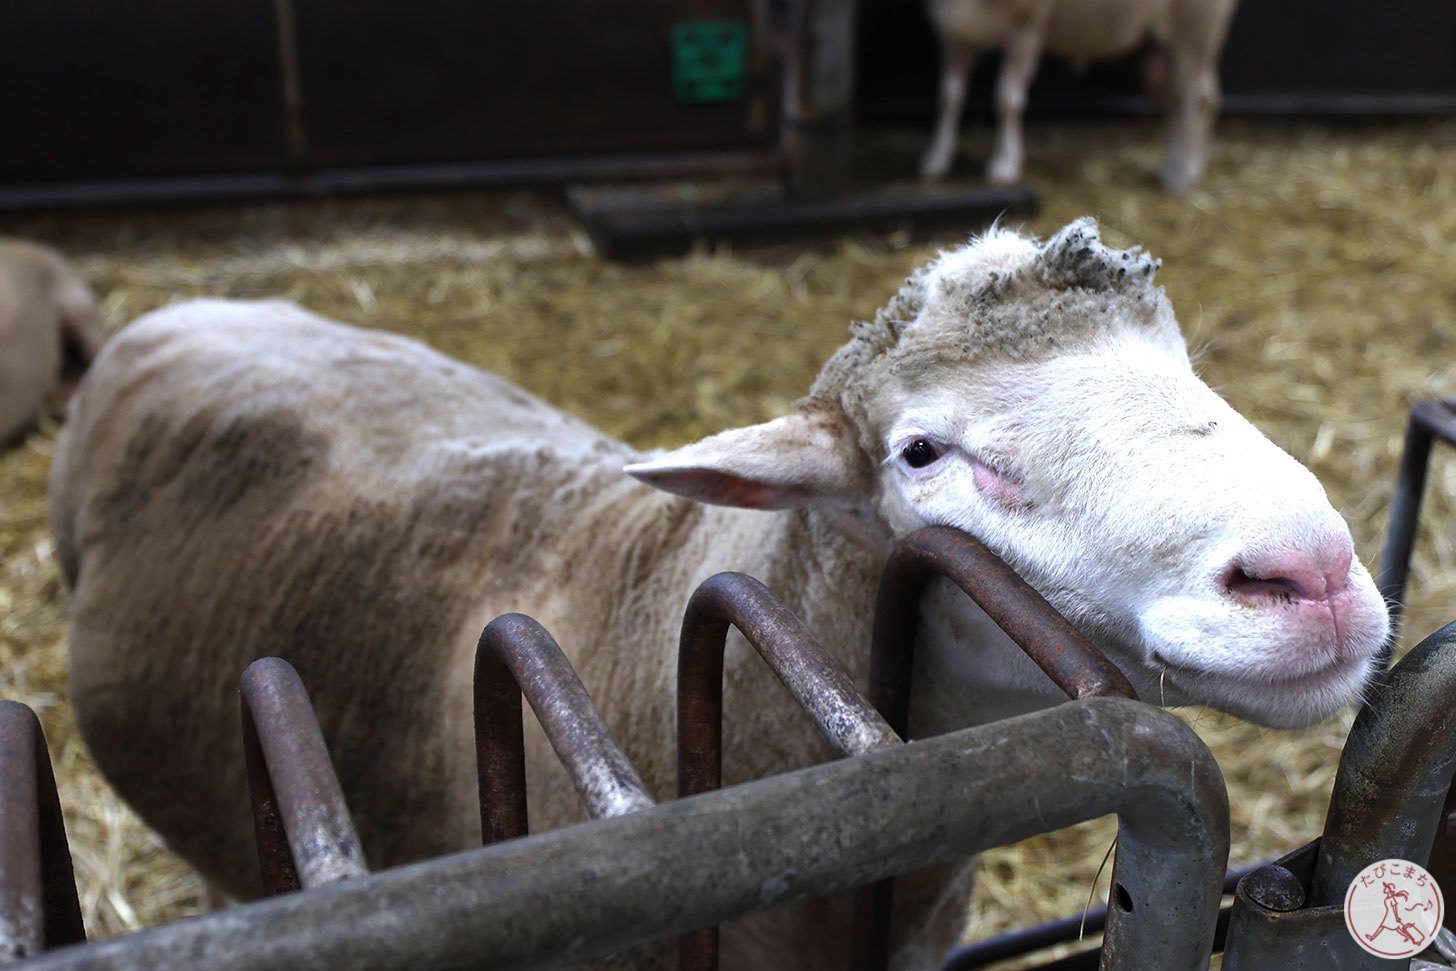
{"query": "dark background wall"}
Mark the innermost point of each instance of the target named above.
(1284, 56)
(95, 89)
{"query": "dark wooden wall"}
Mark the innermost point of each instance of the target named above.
(101, 89)
(137, 88)
(94, 89)
(450, 80)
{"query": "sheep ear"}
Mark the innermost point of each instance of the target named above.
(802, 458)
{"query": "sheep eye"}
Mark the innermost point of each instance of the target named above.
(920, 453)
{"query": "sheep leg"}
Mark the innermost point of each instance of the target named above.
(1019, 62)
(1190, 122)
(955, 69)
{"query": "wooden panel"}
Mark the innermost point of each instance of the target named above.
(449, 80)
(108, 89)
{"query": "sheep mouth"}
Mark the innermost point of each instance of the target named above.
(1337, 671)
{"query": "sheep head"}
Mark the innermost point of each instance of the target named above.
(1040, 397)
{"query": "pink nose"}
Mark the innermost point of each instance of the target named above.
(1289, 575)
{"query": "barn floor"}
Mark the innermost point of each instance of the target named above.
(1312, 273)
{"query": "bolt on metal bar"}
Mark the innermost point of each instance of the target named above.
(1048, 638)
(1275, 926)
(305, 835)
(577, 893)
(38, 904)
(1429, 420)
(516, 656)
(845, 718)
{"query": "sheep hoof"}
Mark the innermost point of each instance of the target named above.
(1003, 173)
(1178, 179)
(934, 168)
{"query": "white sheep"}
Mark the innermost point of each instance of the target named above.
(241, 479)
(46, 315)
(1189, 34)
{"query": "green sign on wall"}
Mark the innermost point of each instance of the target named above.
(709, 60)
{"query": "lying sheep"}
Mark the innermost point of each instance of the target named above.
(48, 321)
(241, 479)
(1189, 35)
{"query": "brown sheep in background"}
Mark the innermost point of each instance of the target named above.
(49, 327)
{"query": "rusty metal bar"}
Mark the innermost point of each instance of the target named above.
(1048, 638)
(844, 717)
(516, 656)
(305, 835)
(574, 894)
(39, 909)
(1429, 420)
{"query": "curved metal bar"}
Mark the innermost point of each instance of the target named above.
(577, 893)
(1395, 771)
(1429, 420)
(305, 835)
(39, 909)
(843, 715)
(1048, 638)
(517, 656)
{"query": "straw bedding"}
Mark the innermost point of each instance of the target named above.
(1311, 272)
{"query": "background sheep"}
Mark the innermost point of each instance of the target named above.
(1340, 237)
(1189, 35)
(48, 323)
(258, 480)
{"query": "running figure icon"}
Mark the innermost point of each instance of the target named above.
(1391, 920)
(1393, 908)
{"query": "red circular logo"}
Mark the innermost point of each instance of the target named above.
(1393, 908)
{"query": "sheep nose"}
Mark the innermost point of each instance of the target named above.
(1290, 575)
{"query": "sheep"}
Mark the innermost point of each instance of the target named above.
(48, 324)
(241, 479)
(1189, 34)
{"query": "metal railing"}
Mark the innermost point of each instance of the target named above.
(576, 893)
(634, 874)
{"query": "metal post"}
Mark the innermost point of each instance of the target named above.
(1428, 420)
(38, 904)
(818, 96)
